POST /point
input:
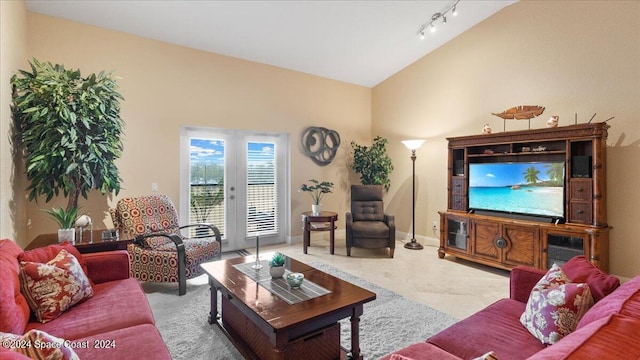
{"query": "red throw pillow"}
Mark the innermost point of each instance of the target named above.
(37, 344)
(581, 270)
(44, 254)
(555, 306)
(52, 288)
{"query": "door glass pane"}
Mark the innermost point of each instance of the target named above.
(262, 214)
(206, 180)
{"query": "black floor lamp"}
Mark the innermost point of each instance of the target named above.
(413, 145)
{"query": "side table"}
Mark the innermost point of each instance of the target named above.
(84, 247)
(325, 221)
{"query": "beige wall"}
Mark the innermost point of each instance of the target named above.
(13, 46)
(167, 86)
(569, 56)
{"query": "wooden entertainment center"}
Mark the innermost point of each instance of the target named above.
(506, 240)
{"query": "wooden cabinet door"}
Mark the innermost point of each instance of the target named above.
(505, 243)
(484, 235)
(523, 245)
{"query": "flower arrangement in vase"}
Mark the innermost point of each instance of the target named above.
(276, 265)
(317, 190)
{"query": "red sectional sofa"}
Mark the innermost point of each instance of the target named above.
(610, 329)
(115, 323)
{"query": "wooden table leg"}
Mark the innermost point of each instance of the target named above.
(332, 244)
(307, 235)
(355, 332)
(213, 312)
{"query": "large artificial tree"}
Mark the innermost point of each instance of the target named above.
(68, 128)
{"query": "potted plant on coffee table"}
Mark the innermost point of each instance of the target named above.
(276, 265)
(317, 191)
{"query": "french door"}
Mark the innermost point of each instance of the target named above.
(235, 180)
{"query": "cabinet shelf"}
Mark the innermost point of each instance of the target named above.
(518, 153)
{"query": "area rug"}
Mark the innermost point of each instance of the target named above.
(389, 323)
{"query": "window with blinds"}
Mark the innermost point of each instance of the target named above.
(262, 206)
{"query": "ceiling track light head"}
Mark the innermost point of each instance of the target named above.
(430, 24)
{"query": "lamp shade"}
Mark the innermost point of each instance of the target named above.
(413, 144)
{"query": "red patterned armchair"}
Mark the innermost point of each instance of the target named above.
(159, 252)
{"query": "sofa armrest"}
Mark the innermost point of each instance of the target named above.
(522, 281)
(107, 266)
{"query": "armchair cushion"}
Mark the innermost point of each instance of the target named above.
(370, 229)
(144, 215)
(366, 203)
(367, 210)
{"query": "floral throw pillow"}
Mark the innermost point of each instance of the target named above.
(37, 344)
(52, 288)
(555, 306)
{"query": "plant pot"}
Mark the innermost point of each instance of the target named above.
(316, 209)
(67, 235)
(276, 271)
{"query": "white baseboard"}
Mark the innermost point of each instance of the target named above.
(340, 235)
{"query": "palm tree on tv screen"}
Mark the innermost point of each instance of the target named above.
(531, 175)
(555, 172)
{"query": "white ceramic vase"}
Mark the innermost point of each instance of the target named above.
(316, 209)
(276, 271)
(67, 235)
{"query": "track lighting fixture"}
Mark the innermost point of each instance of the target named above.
(437, 16)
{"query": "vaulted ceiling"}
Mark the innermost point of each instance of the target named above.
(359, 42)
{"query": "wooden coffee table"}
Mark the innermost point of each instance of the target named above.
(263, 326)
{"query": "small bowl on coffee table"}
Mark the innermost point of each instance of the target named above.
(295, 280)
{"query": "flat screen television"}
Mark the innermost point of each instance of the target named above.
(528, 188)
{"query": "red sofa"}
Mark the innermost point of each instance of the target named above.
(608, 330)
(115, 323)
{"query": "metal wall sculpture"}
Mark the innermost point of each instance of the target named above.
(320, 144)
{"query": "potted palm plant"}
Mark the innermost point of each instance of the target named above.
(68, 129)
(66, 220)
(317, 190)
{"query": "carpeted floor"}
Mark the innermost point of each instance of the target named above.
(389, 323)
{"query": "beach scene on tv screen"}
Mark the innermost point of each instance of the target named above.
(525, 188)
